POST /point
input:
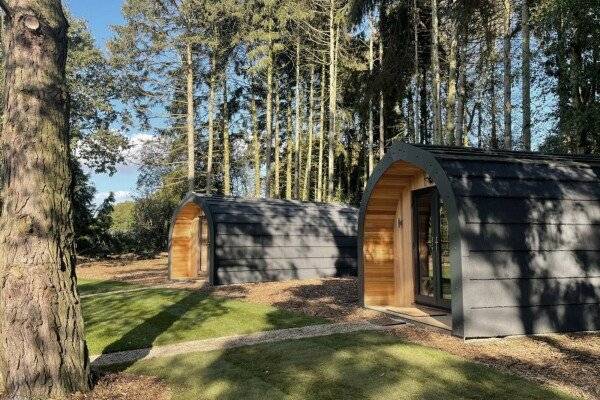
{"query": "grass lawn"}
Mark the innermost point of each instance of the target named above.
(352, 366)
(93, 286)
(152, 317)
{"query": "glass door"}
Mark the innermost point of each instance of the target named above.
(431, 249)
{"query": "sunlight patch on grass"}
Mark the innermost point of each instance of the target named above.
(351, 366)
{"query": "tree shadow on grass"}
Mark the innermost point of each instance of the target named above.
(352, 366)
(143, 336)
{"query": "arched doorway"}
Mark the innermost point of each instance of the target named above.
(189, 243)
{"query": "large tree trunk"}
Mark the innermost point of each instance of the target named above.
(507, 77)
(321, 137)
(526, 76)
(211, 129)
(226, 149)
(42, 348)
(435, 66)
(370, 156)
(311, 106)
(190, 117)
(451, 96)
(277, 150)
(256, 147)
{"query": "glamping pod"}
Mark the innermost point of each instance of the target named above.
(483, 243)
(235, 240)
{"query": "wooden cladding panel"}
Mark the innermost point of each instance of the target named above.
(186, 250)
(387, 237)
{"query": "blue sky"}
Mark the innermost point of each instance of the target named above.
(100, 15)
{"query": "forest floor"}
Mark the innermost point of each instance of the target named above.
(570, 362)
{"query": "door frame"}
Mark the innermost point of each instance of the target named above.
(437, 300)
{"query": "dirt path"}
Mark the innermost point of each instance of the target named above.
(229, 342)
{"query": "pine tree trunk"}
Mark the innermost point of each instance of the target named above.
(451, 96)
(226, 149)
(311, 106)
(190, 118)
(256, 147)
(370, 155)
(42, 346)
(417, 70)
(526, 77)
(462, 77)
(290, 154)
(298, 156)
(277, 150)
(321, 137)
(211, 129)
(269, 127)
(381, 106)
(332, 102)
(424, 111)
(435, 66)
(507, 77)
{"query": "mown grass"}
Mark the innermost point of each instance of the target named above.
(351, 366)
(93, 286)
(152, 317)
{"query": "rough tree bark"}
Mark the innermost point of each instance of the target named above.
(42, 349)
(526, 76)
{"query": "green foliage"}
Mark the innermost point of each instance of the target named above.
(570, 30)
(93, 90)
(91, 225)
(123, 217)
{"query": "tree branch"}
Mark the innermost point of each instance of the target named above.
(5, 8)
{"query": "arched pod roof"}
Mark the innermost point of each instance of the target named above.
(255, 240)
(524, 232)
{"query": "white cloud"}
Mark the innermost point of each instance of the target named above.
(120, 196)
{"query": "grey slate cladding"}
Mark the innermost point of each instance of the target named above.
(272, 240)
(530, 236)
